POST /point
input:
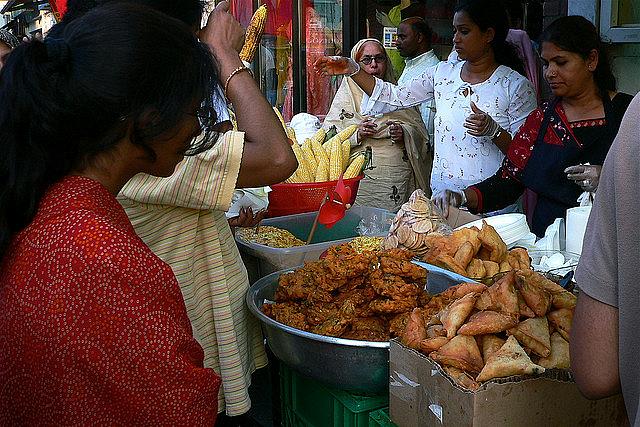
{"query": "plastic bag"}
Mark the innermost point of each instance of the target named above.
(255, 198)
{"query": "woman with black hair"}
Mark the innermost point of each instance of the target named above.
(182, 218)
(93, 326)
(559, 150)
(480, 100)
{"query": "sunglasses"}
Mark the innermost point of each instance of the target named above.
(378, 58)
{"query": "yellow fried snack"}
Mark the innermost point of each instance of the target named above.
(269, 236)
(475, 269)
(511, 359)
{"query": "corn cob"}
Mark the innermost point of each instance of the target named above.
(327, 146)
(355, 168)
(322, 173)
(254, 34)
(284, 126)
(303, 171)
(291, 134)
(335, 166)
(308, 154)
(346, 152)
(346, 133)
(319, 152)
(319, 135)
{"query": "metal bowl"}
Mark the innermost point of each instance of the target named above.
(352, 365)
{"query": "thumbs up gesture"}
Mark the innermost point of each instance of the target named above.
(479, 123)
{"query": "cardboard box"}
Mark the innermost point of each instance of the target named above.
(420, 395)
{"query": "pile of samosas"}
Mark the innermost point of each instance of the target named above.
(363, 296)
(518, 326)
(474, 253)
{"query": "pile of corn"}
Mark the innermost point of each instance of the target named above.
(322, 158)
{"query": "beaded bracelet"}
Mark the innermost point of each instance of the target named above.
(233, 73)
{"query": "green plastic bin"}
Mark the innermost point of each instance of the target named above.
(380, 418)
(307, 403)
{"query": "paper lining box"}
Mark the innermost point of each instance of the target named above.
(421, 395)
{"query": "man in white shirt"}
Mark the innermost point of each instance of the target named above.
(414, 44)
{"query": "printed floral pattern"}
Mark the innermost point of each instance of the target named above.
(460, 159)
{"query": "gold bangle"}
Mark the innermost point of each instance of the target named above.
(233, 73)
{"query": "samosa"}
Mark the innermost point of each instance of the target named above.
(460, 290)
(511, 359)
(415, 331)
(492, 241)
(488, 322)
(536, 297)
(475, 269)
(503, 295)
(561, 320)
(461, 352)
(491, 268)
(461, 378)
(432, 344)
(490, 344)
(457, 312)
(534, 334)
(559, 357)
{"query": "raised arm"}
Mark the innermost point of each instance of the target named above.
(383, 97)
(267, 157)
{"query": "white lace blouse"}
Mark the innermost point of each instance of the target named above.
(460, 159)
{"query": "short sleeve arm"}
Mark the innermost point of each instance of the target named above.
(522, 103)
(387, 97)
(204, 182)
(597, 273)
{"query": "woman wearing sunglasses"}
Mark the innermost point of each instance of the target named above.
(397, 139)
(481, 98)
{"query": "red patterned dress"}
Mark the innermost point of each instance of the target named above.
(93, 327)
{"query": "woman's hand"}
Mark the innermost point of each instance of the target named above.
(447, 198)
(222, 32)
(585, 176)
(367, 129)
(335, 66)
(396, 132)
(247, 218)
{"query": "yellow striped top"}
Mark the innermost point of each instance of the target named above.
(182, 220)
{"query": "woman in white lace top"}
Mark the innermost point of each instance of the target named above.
(481, 100)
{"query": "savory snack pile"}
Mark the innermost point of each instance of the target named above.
(518, 326)
(365, 243)
(473, 253)
(413, 223)
(362, 296)
(269, 236)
